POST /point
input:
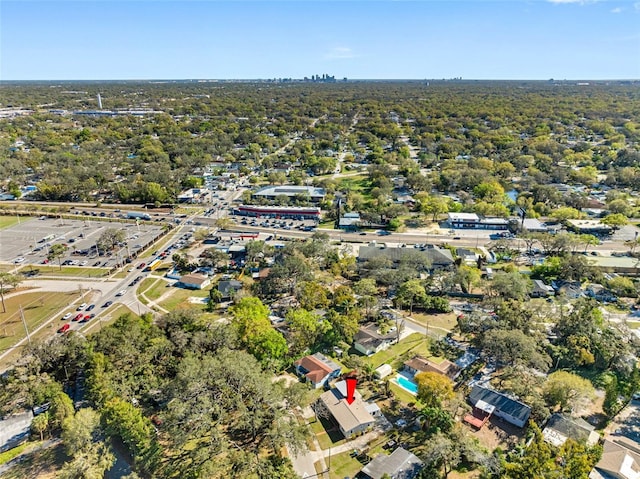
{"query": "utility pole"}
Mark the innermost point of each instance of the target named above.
(24, 323)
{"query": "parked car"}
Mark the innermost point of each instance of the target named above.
(64, 328)
(81, 307)
(67, 316)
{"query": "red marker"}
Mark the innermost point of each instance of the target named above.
(351, 389)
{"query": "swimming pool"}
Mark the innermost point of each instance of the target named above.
(404, 383)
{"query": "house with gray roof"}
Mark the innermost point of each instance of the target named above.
(500, 405)
(351, 419)
(401, 464)
(561, 427)
(617, 462)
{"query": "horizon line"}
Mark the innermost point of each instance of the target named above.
(309, 80)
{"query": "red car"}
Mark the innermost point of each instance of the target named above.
(64, 328)
(77, 317)
(141, 265)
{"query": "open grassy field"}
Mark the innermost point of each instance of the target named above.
(153, 288)
(343, 465)
(7, 221)
(398, 353)
(37, 307)
(444, 321)
(179, 298)
(77, 271)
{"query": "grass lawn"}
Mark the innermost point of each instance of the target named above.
(43, 464)
(153, 288)
(78, 271)
(343, 465)
(11, 453)
(359, 183)
(157, 246)
(445, 321)
(327, 433)
(327, 225)
(180, 298)
(37, 308)
(7, 221)
(633, 324)
(411, 345)
(402, 394)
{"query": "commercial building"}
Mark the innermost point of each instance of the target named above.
(588, 227)
(437, 258)
(473, 221)
(288, 212)
(311, 193)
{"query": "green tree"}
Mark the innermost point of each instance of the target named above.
(410, 293)
(305, 328)
(434, 389)
(81, 430)
(40, 424)
(615, 220)
(512, 285)
(8, 281)
(89, 463)
(567, 391)
(467, 277)
(57, 251)
(110, 238)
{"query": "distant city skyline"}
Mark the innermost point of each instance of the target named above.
(384, 39)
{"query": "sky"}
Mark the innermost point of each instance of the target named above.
(357, 39)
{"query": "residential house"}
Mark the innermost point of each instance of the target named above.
(541, 290)
(570, 289)
(401, 464)
(352, 418)
(487, 402)
(600, 293)
(317, 369)
(195, 281)
(420, 364)
(561, 427)
(617, 462)
(349, 221)
(467, 256)
(228, 288)
(369, 340)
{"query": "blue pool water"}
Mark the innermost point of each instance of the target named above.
(406, 384)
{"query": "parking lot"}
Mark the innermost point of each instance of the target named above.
(28, 242)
